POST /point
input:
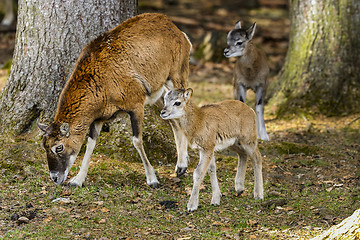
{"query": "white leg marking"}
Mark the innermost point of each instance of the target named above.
(151, 179)
(181, 148)
(258, 186)
(260, 122)
(199, 173)
(79, 179)
(9, 17)
(241, 171)
(216, 193)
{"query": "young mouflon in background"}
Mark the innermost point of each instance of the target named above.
(214, 127)
(251, 70)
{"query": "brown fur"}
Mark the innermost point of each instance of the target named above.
(207, 125)
(251, 70)
(215, 127)
(117, 72)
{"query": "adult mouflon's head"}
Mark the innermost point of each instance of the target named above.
(237, 40)
(62, 147)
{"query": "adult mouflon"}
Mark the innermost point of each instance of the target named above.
(118, 72)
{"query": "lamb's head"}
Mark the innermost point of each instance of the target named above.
(237, 40)
(175, 102)
(61, 148)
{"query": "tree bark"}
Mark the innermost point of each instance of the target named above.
(349, 228)
(321, 70)
(50, 36)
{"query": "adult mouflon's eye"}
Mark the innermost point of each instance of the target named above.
(59, 148)
(177, 103)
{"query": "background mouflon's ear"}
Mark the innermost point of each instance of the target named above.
(250, 32)
(238, 25)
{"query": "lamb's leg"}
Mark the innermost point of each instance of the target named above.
(181, 148)
(136, 117)
(198, 177)
(216, 194)
(258, 186)
(241, 169)
(239, 91)
(260, 122)
(79, 179)
(9, 17)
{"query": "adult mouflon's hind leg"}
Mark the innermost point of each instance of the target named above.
(79, 179)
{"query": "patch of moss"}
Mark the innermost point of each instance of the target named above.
(294, 148)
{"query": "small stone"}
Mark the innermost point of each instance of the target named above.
(23, 220)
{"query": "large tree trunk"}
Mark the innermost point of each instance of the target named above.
(50, 36)
(322, 70)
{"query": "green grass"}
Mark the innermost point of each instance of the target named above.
(308, 187)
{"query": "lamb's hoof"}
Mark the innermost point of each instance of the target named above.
(180, 171)
(259, 198)
(238, 193)
(154, 185)
(191, 210)
(264, 138)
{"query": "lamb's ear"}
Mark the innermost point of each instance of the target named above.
(42, 126)
(238, 25)
(188, 94)
(250, 32)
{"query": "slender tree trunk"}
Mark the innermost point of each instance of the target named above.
(50, 36)
(322, 67)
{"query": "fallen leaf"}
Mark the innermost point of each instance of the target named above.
(48, 219)
(102, 221)
(105, 210)
(217, 223)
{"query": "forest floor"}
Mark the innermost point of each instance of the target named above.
(311, 169)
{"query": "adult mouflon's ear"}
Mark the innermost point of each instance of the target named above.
(65, 129)
(250, 32)
(42, 126)
(188, 93)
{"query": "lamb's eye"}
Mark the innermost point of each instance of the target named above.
(59, 148)
(177, 103)
(239, 43)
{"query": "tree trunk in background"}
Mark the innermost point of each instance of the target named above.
(50, 36)
(322, 67)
